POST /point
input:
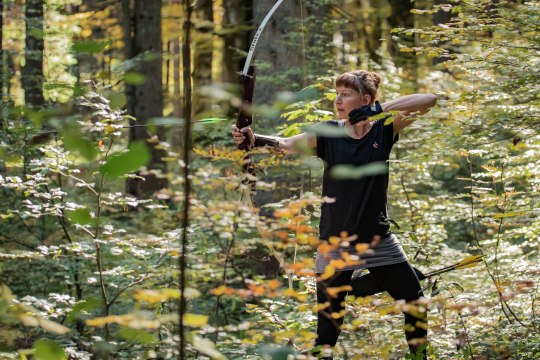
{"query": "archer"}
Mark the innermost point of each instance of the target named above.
(359, 204)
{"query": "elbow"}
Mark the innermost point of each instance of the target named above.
(431, 100)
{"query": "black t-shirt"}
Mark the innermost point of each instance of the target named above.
(360, 206)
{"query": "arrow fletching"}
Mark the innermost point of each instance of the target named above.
(469, 262)
(465, 263)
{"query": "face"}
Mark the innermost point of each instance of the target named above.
(348, 99)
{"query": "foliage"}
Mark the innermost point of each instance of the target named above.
(89, 272)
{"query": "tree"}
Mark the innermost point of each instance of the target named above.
(147, 97)
(203, 50)
(279, 52)
(32, 72)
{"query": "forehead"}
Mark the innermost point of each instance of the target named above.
(342, 88)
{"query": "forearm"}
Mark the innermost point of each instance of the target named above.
(272, 141)
(289, 145)
(411, 103)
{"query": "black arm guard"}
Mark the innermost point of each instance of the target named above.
(261, 140)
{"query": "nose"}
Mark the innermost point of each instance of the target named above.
(337, 100)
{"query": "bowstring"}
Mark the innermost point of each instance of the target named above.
(304, 82)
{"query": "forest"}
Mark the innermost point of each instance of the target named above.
(133, 227)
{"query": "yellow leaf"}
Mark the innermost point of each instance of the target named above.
(334, 291)
(28, 320)
(219, 290)
(320, 307)
(206, 347)
(329, 271)
(361, 248)
(325, 248)
(195, 320)
(338, 315)
(156, 296)
(337, 264)
(334, 240)
(52, 326)
(133, 320)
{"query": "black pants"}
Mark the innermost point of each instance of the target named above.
(399, 280)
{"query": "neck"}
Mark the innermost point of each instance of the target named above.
(359, 130)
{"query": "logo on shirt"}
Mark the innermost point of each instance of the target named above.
(375, 145)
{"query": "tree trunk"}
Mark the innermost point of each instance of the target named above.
(280, 53)
(202, 56)
(127, 27)
(32, 72)
(148, 97)
(236, 13)
(4, 74)
(319, 45)
(441, 17)
(177, 138)
(402, 17)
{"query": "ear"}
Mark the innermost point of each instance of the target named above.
(367, 99)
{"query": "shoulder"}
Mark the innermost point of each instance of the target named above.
(338, 123)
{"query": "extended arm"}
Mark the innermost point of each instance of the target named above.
(409, 106)
(289, 145)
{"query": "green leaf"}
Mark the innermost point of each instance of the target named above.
(138, 155)
(309, 93)
(137, 335)
(326, 130)
(45, 349)
(75, 142)
(342, 172)
(276, 352)
(86, 305)
(90, 47)
(133, 78)
(117, 100)
(37, 33)
(80, 216)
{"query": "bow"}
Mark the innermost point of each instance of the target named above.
(247, 81)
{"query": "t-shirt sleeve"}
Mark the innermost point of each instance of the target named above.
(322, 141)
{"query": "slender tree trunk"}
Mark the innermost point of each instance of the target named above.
(4, 74)
(177, 95)
(167, 68)
(32, 72)
(203, 51)
(177, 138)
(237, 13)
(148, 97)
(127, 27)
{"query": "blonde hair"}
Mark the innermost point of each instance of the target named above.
(365, 82)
